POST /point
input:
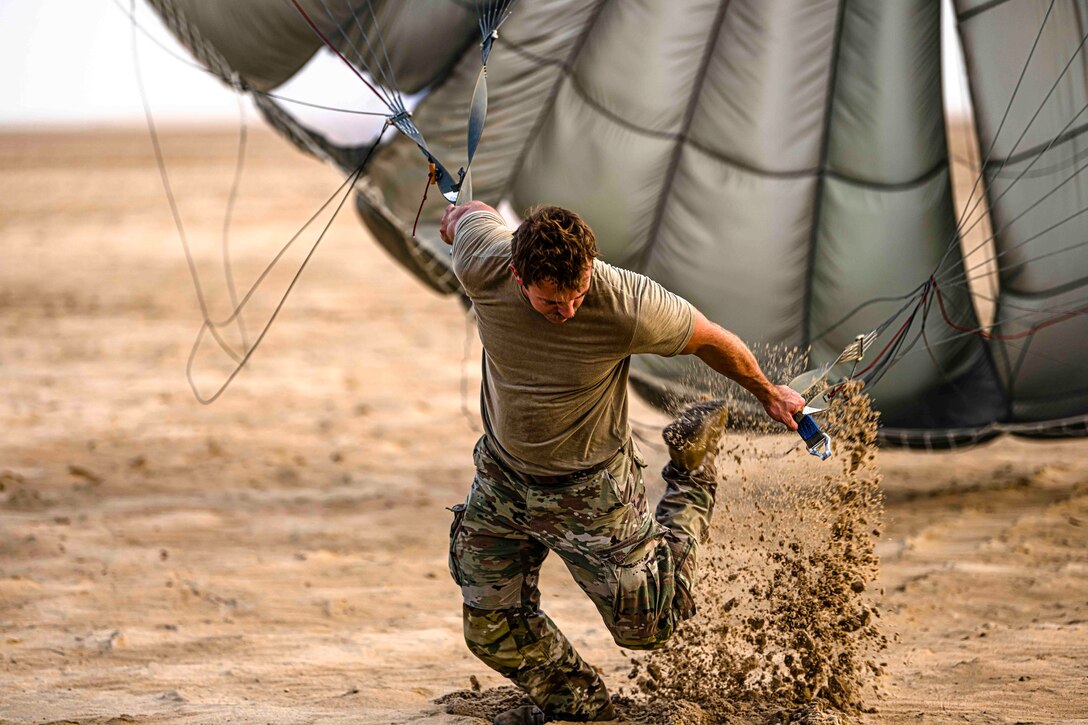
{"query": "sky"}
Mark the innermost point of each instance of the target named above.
(70, 62)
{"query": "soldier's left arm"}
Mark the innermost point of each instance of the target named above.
(728, 355)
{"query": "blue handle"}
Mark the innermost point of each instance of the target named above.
(815, 439)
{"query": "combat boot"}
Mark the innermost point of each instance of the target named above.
(693, 437)
(523, 715)
(533, 715)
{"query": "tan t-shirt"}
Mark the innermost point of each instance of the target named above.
(554, 396)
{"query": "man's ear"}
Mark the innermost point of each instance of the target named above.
(514, 271)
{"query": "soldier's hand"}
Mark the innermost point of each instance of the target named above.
(782, 404)
(452, 216)
(448, 227)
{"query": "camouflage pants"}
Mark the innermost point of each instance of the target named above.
(638, 569)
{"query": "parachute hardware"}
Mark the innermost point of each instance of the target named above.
(485, 46)
(817, 442)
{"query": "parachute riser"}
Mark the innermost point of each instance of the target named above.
(486, 45)
(448, 184)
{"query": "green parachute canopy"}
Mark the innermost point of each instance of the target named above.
(782, 164)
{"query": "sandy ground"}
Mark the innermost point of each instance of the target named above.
(280, 556)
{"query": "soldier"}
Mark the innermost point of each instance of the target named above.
(556, 469)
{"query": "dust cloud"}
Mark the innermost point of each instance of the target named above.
(785, 622)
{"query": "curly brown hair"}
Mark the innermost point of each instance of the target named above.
(553, 244)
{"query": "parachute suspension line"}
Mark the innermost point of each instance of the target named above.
(164, 176)
(1036, 173)
(381, 41)
(333, 48)
(1036, 158)
(915, 298)
(1020, 176)
(491, 14)
(899, 335)
(937, 364)
(913, 294)
(279, 255)
(970, 332)
(383, 84)
(970, 208)
(1017, 336)
(228, 271)
(298, 102)
(209, 326)
(965, 276)
(387, 80)
(401, 118)
(993, 143)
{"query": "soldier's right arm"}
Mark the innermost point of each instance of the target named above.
(481, 246)
(454, 214)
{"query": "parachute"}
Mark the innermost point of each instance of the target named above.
(782, 164)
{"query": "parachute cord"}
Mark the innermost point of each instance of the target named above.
(898, 334)
(1017, 336)
(937, 364)
(831, 328)
(966, 276)
(993, 143)
(385, 84)
(381, 42)
(228, 271)
(1023, 133)
(430, 180)
(208, 326)
(968, 332)
(1007, 189)
(164, 176)
(340, 55)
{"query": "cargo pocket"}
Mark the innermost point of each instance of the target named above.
(455, 532)
(645, 586)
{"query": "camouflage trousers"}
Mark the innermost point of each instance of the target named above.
(637, 569)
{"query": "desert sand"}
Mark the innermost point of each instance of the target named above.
(280, 556)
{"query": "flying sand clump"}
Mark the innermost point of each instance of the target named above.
(785, 621)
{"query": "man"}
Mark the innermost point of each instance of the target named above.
(556, 468)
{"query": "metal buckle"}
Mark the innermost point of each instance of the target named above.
(824, 454)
